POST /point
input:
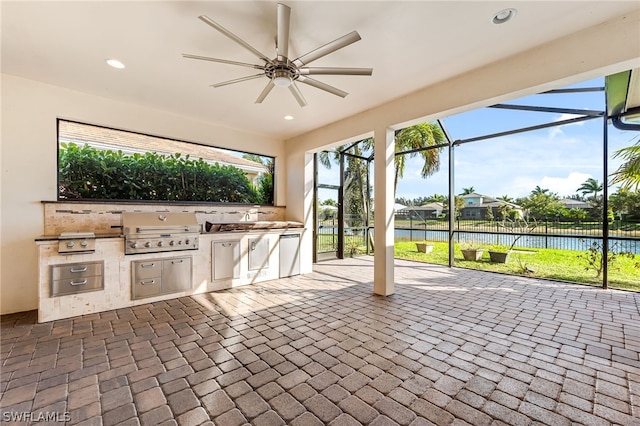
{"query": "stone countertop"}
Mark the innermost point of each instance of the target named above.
(251, 226)
(57, 237)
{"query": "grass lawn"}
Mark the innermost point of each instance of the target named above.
(565, 265)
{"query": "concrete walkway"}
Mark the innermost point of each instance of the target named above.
(451, 347)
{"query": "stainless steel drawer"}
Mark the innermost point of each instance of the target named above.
(146, 287)
(76, 285)
(147, 269)
(75, 270)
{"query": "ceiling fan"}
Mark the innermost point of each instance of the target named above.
(282, 71)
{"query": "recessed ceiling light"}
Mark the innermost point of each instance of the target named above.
(503, 16)
(288, 117)
(115, 63)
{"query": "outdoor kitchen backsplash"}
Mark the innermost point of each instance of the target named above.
(102, 218)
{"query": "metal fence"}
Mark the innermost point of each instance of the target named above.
(551, 227)
(524, 240)
(545, 235)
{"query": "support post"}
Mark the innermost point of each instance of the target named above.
(605, 201)
(340, 253)
(452, 206)
(384, 199)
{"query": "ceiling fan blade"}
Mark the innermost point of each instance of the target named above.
(265, 92)
(237, 80)
(233, 37)
(295, 91)
(223, 61)
(322, 86)
(335, 71)
(284, 23)
(330, 47)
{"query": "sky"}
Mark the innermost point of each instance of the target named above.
(558, 158)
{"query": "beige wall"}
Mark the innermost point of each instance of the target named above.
(28, 159)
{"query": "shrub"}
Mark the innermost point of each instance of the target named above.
(89, 173)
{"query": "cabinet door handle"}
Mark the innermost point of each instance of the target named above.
(253, 246)
(177, 261)
(84, 269)
(148, 282)
(82, 282)
(147, 265)
(226, 244)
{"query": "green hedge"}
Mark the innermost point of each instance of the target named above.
(85, 172)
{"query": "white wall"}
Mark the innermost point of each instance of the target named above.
(28, 159)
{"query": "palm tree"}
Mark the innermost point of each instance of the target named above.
(505, 198)
(628, 174)
(412, 137)
(467, 191)
(436, 198)
(416, 137)
(590, 186)
(538, 191)
(356, 197)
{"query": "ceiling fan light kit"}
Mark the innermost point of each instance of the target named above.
(281, 71)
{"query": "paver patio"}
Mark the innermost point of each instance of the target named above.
(451, 347)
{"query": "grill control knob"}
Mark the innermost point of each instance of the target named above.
(134, 245)
(160, 243)
(187, 242)
(147, 244)
(172, 243)
(70, 244)
(179, 242)
(84, 243)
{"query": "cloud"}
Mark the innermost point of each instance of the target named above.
(564, 185)
(562, 117)
(557, 130)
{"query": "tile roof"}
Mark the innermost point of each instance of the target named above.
(70, 131)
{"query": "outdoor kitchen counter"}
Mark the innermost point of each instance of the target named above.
(117, 275)
(57, 237)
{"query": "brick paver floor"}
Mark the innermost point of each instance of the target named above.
(451, 346)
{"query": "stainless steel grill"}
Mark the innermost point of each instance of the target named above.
(159, 232)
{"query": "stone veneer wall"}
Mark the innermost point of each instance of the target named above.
(106, 218)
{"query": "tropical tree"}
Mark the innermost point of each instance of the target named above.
(459, 204)
(537, 190)
(467, 191)
(578, 215)
(543, 204)
(625, 204)
(590, 186)
(505, 198)
(356, 197)
(265, 180)
(628, 174)
(415, 137)
(436, 198)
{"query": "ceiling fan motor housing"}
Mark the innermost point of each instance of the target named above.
(281, 72)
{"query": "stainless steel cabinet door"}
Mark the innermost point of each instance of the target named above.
(176, 274)
(226, 260)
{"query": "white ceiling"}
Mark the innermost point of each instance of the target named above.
(410, 45)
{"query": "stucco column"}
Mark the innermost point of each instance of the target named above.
(384, 201)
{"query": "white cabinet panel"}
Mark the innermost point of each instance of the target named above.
(258, 254)
(226, 260)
